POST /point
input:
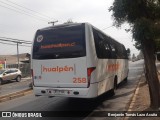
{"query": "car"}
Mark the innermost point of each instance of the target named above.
(10, 74)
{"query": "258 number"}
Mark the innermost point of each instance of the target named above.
(79, 80)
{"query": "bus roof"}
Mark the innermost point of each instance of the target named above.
(75, 24)
(61, 26)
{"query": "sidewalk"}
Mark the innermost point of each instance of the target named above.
(141, 101)
(8, 90)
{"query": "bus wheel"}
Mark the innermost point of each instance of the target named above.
(126, 79)
(115, 83)
(112, 91)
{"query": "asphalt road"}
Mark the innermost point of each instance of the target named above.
(119, 102)
(13, 86)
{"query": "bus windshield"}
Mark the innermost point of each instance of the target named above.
(60, 42)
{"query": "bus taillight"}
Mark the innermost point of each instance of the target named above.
(89, 72)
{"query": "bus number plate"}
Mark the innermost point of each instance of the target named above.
(52, 91)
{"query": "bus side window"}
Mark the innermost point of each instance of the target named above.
(120, 52)
(102, 46)
(125, 52)
(105, 49)
(114, 51)
(97, 42)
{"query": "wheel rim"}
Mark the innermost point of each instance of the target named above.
(18, 78)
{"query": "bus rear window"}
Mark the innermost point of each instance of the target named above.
(60, 42)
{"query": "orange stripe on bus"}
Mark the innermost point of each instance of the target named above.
(113, 67)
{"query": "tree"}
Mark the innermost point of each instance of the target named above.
(140, 55)
(143, 17)
(128, 52)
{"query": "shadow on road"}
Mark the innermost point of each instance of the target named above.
(75, 108)
(80, 108)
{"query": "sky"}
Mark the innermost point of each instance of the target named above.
(20, 19)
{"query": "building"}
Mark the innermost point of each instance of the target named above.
(2, 64)
(12, 62)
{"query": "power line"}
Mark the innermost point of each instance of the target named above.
(15, 39)
(7, 43)
(18, 41)
(23, 10)
(29, 9)
(107, 27)
(14, 44)
(23, 13)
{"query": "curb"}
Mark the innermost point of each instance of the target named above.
(14, 95)
(135, 94)
(133, 98)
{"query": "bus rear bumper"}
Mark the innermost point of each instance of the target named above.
(90, 92)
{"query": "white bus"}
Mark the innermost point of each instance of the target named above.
(76, 60)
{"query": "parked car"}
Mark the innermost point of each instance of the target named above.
(10, 74)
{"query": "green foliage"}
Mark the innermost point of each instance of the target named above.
(142, 15)
(138, 45)
(125, 10)
(157, 45)
(131, 10)
(143, 29)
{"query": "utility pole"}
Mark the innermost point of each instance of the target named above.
(17, 42)
(53, 22)
(5, 64)
(18, 53)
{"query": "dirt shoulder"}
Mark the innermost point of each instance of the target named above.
(142, 101)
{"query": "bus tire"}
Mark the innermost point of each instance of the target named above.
(115, 83)
(126, 79)
(112, 91)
